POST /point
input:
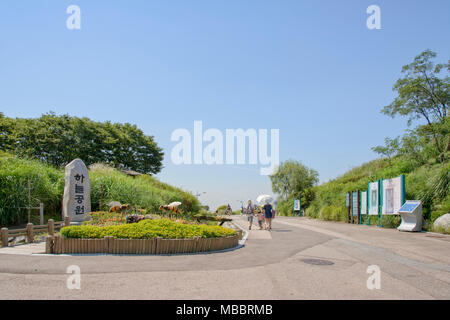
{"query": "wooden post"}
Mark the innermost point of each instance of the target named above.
(30, 233)
(5, 237)
(51, 227)
(135, 203)
(67, 221)
(49, 244)
(29, 201)
(41, 213)
(348, 207)
(359, 207)
(100, 204)
(57, 244)
(109, 242)
(158, 246)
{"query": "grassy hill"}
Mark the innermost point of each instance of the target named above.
(429, 183)
(107, 184)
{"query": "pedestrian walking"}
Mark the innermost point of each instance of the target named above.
(268, 216)
(261, 217)
(250, 214)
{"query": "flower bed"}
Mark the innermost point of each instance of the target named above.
(62, 245)
(105, 218)
(147, 229)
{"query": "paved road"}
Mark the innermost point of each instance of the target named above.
(271, 265)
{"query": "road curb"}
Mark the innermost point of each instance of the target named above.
(244, 238)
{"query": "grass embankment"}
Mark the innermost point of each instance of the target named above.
(107, 184)
(147, 229)
(428, 183)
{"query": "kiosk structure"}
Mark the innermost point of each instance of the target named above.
(411, 213)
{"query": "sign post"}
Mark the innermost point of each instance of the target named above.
(355, 206)
(347, 204)
(297, 207)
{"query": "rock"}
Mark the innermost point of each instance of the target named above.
(18, 240)
(442, 222)
(77, 192)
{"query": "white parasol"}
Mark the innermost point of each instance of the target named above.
(264, 198)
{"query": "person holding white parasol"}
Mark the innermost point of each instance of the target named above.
(266, 199)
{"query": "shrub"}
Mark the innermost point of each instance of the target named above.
(147, 229)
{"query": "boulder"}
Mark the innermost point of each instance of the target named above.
(442, 222)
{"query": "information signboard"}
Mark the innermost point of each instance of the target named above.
(297, 205)
(364, 203)
(411, 213)
(355, 204)
(393, 195)
(410, 206)
(373, 198)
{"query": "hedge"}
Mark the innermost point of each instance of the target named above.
(147, 229)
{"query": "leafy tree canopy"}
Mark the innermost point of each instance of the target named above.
(58, 140)
(293, 179)
(422, 93)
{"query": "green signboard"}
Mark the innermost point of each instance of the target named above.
(355, 204)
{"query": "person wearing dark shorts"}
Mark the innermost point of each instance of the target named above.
(268, 216)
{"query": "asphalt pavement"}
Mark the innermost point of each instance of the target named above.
(299, 259)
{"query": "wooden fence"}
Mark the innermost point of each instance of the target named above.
(60, 245)
(31, 230)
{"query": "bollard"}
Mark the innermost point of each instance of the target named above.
(5, 237)
(41, 213)
(49, 245)
(57, 244)
(67, 221)
(51, 227)
(30, 233)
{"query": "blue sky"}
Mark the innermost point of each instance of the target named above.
(309, 68)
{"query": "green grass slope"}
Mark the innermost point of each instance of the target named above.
(429, 183)
(107, 184)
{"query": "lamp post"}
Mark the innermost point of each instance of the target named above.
(198, 194)
(242, 205)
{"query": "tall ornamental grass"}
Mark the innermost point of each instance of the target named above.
(47, 185)
(107, 184)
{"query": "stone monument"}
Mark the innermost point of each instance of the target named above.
(77, 192)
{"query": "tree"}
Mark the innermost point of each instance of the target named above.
(423, 94)
(6, 128)
(390, 148)
(293, 179)
(414, 148)
(58, 140)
